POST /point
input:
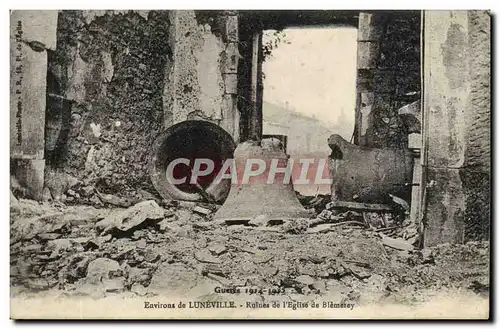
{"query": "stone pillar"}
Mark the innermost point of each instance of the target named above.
(201, 82)
(369, 33)
(388, 76)
(376, 83)
(231, 116)
(451, 79)
(31, 34)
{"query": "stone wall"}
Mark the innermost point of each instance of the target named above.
(124, 76)
(110, 66)
(32, 37)
(388, 76)
(201, 81)
(479, 147)
(457, 126)
(477, 170)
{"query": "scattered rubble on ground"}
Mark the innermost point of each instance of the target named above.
(156, 246)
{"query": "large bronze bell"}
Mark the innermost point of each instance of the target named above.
(255, 196)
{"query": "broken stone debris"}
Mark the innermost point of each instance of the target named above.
(66, 251)
(114, 200)
(260, 220)
(145, 195)
(397, 244)
(391, 221)
(205, 257)
(103, 268)
(132, 217)
(305, 280)
(67, 189)
(202, 211)
(217, 248)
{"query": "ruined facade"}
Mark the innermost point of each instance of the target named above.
(110, 67)
(388, 76)
(452, 161)
(116, 79)
(127, 75)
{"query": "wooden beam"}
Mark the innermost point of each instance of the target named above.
(347, 205)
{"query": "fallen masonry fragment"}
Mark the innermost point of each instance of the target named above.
(132, 218)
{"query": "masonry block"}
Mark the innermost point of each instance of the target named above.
(368, 54)
(415, 205)
(232, 28)
(447, 87)
(231, 82)
(370, 26)
(37, 25)
(366, 108)
(230, 58)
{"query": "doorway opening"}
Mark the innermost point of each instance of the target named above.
(309, 90)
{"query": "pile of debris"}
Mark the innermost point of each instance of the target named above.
(54, 246)
(392, 222)
(155, 248)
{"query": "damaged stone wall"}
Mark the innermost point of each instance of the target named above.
(109, 65)
(201, 83)
(476, 173)
(457, 126)
(32, 37)
(121, 77)
(388, 76)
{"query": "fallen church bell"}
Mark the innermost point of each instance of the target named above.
(256, 198)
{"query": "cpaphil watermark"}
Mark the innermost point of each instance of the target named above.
(251, 171)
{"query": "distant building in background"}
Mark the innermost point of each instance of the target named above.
(307, 135)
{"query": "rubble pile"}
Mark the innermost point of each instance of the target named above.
(62, 187)
(393, 224)
(153, 248)
(81, 249)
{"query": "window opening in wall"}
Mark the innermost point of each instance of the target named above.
(309, 90)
